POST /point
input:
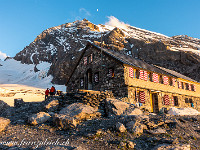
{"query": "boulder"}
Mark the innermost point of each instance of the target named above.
(136, 127)
(120, 127)
(172, 146)
(71, 115)
(52, 106)
(80, 111)
(157, 131)
(4, 123)
(39, 118)
(115, 107)
(3, 106)
(133, 111)
(64, 121)
(130, 144)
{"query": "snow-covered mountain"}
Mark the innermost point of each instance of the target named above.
(61, 46)
(14, 72)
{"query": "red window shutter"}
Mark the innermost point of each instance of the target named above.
(142, 97)
(173, 81)
(141, 75)
(155, 78)
(131, 72)
(179, 85)
(194, 88)
(190, 88)
(166, 99)
(165, 80)
(85, 60)
(145, 75)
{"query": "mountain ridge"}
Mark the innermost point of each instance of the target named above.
(62, 45)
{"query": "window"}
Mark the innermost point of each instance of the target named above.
(137, 73)
(81, 82)
(85, 60)
(182, 84)
(170, 81)
(175, 100)
(150, 77)
(192, 87)
(90, 58)
(186, 86)
(96, 77)
(186, 100)
(190, 100)
(160, 79)
(111, 72)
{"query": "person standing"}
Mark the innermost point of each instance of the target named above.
(46, 94)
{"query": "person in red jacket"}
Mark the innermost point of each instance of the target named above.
(46, 93)
(52, 91)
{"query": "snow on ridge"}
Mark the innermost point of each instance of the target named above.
(14, 72)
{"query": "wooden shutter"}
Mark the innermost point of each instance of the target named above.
(165, 80)
(131, 72)
(141, 75)
(145, 75)
(166, 99)
(155, 78)
(142, 97)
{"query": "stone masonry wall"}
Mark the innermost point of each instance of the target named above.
(101, 65)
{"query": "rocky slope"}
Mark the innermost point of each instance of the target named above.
(62, 45)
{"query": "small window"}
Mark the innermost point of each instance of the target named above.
(161, 79)
(81, 82)
(186, 86)
(150, 77)
(96, 77)
(137, 73)
(192, 87)
(111, 72)
(182, 84)
(186, 100)
(175, 100)
(170, 81)
(190, 100)
(90, 58)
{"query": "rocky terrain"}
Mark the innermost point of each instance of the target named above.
(62, 45)
(93, 121)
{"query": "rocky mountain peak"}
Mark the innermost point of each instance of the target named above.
(62, 45)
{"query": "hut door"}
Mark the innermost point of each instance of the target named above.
(89, 79)
(155, 102)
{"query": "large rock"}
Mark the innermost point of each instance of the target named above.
(3, 123)
(120, 127)
(115, 107)
(136, 127)
(133, 111)
(80, 111)
(64, 121)
(172, 147)
(39, 118)
(71, 115)
(3, 106)
(52, 106)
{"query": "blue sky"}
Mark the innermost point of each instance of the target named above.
(22, 20)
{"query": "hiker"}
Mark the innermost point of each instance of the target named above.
(46, 94)
(52, 91)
